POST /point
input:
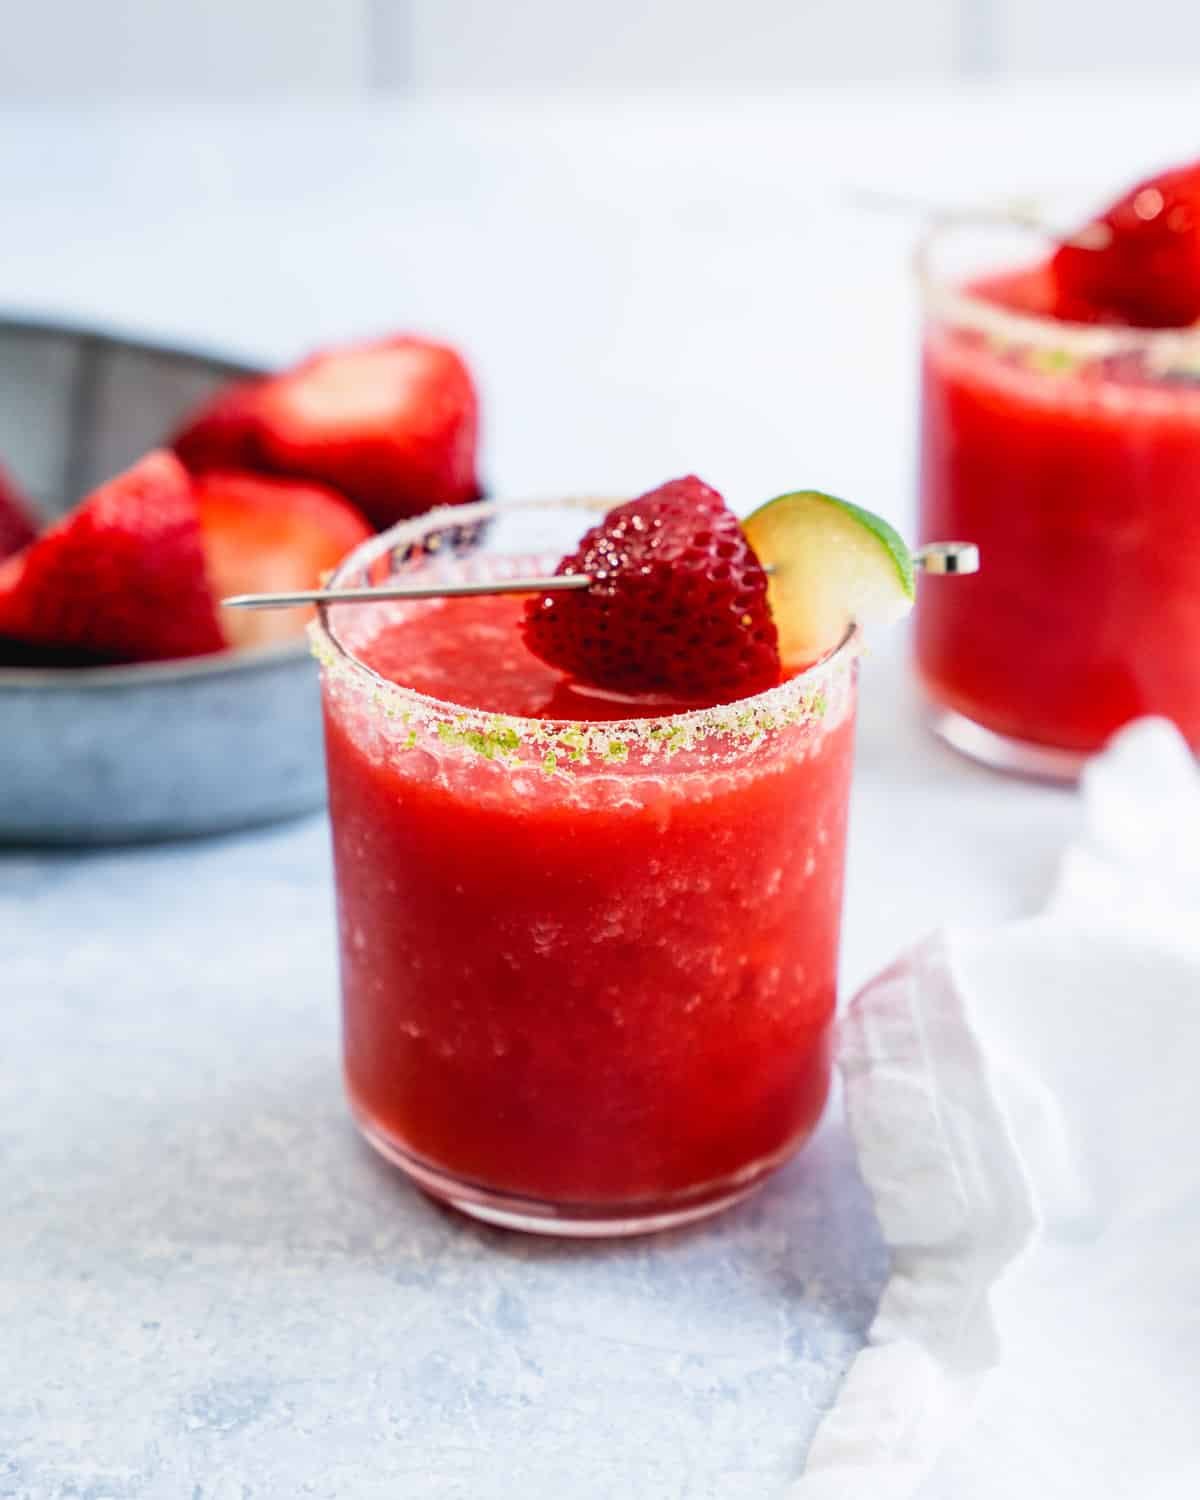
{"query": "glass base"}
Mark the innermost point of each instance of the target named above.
(1002, 752)
(579, 1221)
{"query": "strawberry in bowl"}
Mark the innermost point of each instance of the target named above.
(133, 705)
(392, 424)
(135, 572)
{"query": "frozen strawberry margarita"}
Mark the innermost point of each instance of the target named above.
(1060, 430)
(589, 851)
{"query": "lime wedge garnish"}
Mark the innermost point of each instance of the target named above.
(831, 564)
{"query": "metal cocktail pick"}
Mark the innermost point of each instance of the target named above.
(934, 557)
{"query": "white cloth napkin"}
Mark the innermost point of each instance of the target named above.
(1026, 1107)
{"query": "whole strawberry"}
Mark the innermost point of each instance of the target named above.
(1145, 267)
(677, 602)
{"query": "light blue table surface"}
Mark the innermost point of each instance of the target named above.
(209, 1288)
(212, 1290)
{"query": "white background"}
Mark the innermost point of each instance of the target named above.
(59, 49)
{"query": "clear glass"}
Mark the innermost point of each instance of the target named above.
(588, 969)
(1071, 454)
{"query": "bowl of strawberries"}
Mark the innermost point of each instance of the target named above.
(139, 486)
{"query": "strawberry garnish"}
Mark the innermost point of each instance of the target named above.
(677, 602)
(271, 535)
(1144, 268)
(391, 424)
(17, 528)
(121, 578)
(1034, 291)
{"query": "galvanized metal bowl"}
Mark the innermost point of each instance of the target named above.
(103, 755)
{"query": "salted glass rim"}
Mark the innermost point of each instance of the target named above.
(791, 701)
(945, 296)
